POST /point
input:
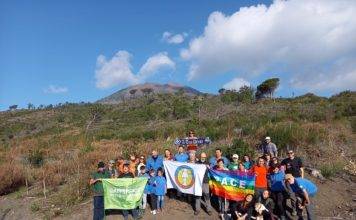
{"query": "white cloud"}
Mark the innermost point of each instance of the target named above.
(236, 84)
(53, 89)
(118, 70)
(173, 38)
(154, 64)
(307, 40)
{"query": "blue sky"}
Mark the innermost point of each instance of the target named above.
(49, 50)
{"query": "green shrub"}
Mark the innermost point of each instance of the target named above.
(239, 147)
(330, 170)
(35, 157)
(35, 207)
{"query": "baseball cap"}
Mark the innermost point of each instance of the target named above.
(235, 156)
(268, 138)
(112, 161)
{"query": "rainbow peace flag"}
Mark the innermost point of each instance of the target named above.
(232, 185)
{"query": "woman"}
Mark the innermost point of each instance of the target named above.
(248, 163)
(141, 162)
(167, 155)
(245, 209)
(223, 202)
(192, 148)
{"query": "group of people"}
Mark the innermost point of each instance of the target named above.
(276, 182)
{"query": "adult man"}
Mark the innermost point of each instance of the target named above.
(234, 165)
(205, 188)
(127, 174)
(155, 161)
(293, 165)
(95, 181)
(218, 156)
(267, 147)
(260, 171)
(302, 189)
(181, 156)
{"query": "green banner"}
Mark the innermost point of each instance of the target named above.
(123, 193)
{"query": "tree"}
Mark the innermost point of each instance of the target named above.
(30, 106)
(245, 94)
(12, 107)
(133, 92)
(267, 88)
(222, 91)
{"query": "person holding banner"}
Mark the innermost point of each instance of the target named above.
(128, 174)
(260, 171)
(205, 188)
(181, 156)
(223, 202)
(95, 182)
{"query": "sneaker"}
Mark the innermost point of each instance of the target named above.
(154, 212)
(196, 212)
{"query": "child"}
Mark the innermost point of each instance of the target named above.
(146, 191)
(151, 188)
(160, 188)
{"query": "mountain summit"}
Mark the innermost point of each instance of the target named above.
(140, 90)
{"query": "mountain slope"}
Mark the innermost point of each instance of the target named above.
(140, 90)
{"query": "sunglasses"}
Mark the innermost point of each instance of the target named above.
(290, 153)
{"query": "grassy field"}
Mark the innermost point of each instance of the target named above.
(50, 152)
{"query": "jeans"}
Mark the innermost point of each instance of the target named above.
(223, 205)
(160, 202)
(143, 203)
(153, 198)
(309, 208)
(134, 213)
(99, 211)
(279, 197)
(205, 196)
(258, 193)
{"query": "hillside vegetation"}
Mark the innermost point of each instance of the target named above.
(49, 153)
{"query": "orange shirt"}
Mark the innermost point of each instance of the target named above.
(261, 176)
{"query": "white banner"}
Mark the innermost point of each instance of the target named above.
(185, 177)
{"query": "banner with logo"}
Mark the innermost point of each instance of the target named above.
(185, 177)
(232, 185)
(123, 193)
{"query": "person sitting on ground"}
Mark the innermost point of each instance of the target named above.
(181, 156)
(192, 148)
(146, 191)
(152, 187)
(278, 189)
(141, 162)
(303, 190)
(267, 147)
(155, 161)
(128, 174)
(244, 209)
(218, 155)
(268, 203)
(293, 165)
(223, 202)
(248, 163)
(97, 185)
(234, 165)
(160, 188)
(167, 155)
(112, 170)
(260, 171)
(205, 188)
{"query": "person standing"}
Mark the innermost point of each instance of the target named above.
(97, 185)
(260, 171)
(278, 189)
(234, 165)
(218, 155)
(303, 190)
(167, 155)
(247, 162)
(160, 189)
(146, 191)
(267, 147)
(181, 156)
(192, 147)
(293, 165)
(141, 162)
(128, 174)
(155, 161)
(151, 186)
(112, 170)
(223, 202)
(205, 198)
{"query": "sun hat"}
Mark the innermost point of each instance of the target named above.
(235, 156)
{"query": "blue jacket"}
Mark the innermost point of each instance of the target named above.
(160, 186)
(277, 181)
(300, 184)
(154, 163)
(150, 185)
(181, 157)
(213, 163)
(147, 188)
